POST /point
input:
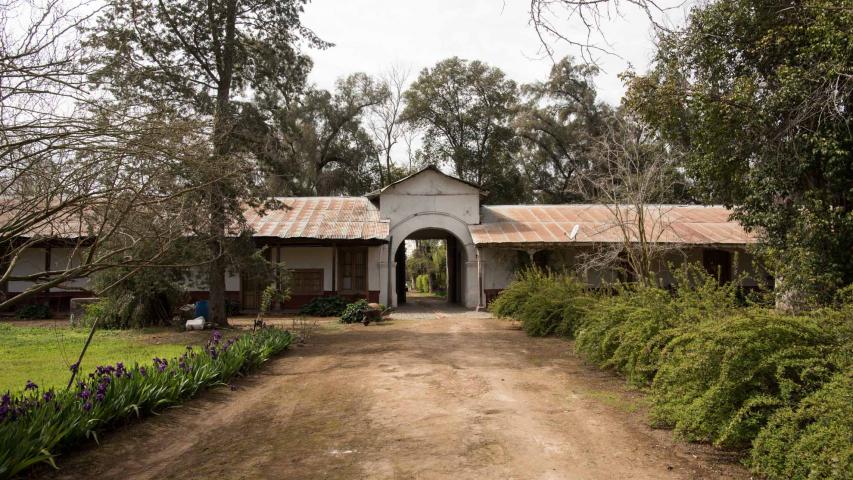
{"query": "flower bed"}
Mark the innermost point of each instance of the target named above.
(35, 425)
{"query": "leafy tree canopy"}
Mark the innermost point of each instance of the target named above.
(759, 96)
(465, 109)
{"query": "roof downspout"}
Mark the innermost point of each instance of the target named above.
(388, 295)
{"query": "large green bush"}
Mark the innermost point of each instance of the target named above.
(332, 306)
(36, 425)
(627, 332)
(720, 379)
(546, 303)
(813, 440)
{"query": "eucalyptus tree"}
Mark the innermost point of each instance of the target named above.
(465, 109)
(206, 59)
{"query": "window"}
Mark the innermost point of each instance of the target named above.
(353, 270)
(306, 281)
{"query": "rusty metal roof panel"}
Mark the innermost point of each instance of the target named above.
(544, 224)
(322, 218)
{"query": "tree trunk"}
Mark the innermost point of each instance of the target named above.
(216, 273)
(222, 124)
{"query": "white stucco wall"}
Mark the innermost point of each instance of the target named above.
(309, 257)
(430, 192)
(376, 262)
(497, 267)
(65, 258)
(30, 261)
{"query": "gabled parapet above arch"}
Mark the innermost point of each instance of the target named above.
(429, 191)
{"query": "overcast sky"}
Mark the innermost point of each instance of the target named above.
(372, 35)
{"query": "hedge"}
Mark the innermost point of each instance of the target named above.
(718, 370)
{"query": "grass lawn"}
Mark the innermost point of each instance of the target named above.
(44, 353)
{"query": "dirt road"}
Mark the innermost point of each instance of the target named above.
(426, 395)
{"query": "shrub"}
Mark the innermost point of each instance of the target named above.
(721, 379)
(355, 312)
(35, 425)
(555, 308)
(509, 302)
(422, 283)
(546, 303)
(627, 332)
(35, 311)
(324, 307)
(813, 440)
(136, 303)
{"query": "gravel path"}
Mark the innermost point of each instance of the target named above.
(433, 393)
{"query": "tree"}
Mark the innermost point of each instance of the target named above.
(635, 175)
(590, 15)
(429, 259)
(324, 134)
(465, 109)
(560, 124)
(202, 58)
(96, 179)
(385, 125)
(759, 96)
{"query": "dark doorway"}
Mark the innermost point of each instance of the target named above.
(400, 259)
(718, 263)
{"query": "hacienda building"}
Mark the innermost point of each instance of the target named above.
(355, 246)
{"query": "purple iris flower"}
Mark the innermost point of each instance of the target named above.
(74, 367)
(143, 372)
(31, 385)
(48, 396)
(6, 399)
(87, 406)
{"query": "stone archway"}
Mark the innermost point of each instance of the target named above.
(465, 273)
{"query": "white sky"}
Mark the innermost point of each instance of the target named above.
(372, 35)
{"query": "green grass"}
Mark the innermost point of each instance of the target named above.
(619, 402)
(43, 354)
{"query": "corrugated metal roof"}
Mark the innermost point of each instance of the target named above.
(543, 224)
(324, 218)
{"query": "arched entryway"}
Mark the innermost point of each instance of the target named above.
(462, 273)
(444, 255)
